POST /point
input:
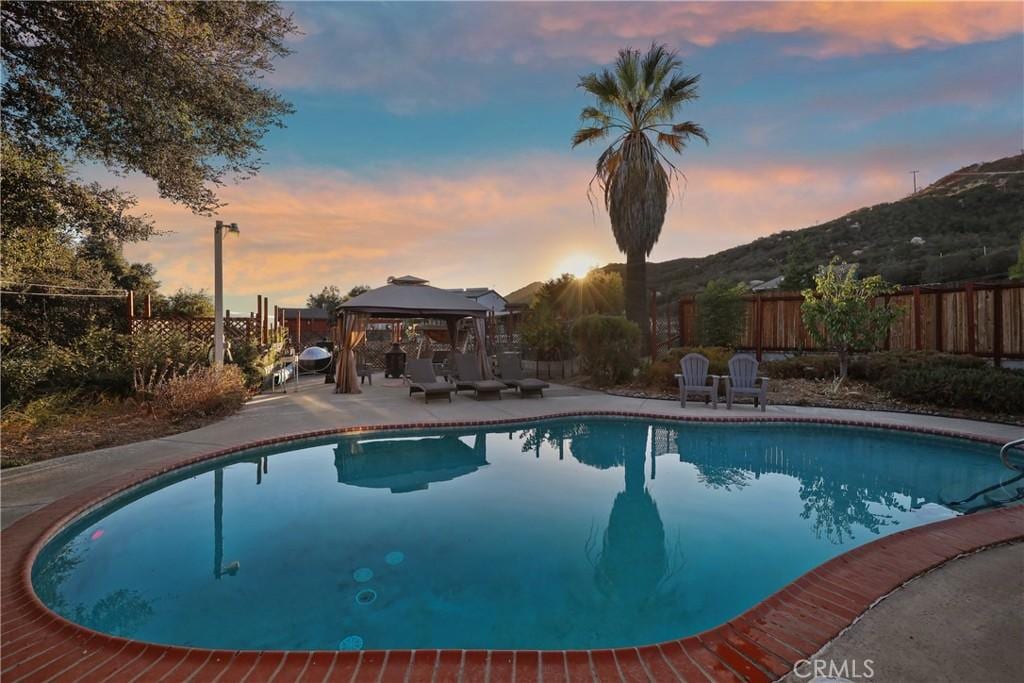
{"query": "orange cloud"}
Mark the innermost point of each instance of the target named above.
(835, 29)
(501, 225)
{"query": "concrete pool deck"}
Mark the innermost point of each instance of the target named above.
(315, 407)
(762, 644)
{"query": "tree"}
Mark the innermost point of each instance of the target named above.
(328, 299)
(167, 89)
(637, 101)
(186, 303)
(355, 291)
(1017, 269)
(840, 314)
(569, 297)
(800, 265)
(720, 313)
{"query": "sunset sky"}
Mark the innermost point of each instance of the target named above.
(433, 139)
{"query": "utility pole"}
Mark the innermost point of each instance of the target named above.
(218, 289)
(914, 173)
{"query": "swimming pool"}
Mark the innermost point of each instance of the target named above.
(558, 534)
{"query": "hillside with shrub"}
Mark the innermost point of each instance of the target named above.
(969, 225)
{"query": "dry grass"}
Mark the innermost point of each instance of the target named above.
(73, 422)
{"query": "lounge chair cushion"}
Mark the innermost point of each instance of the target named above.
(528, 384)
(485, 385)
(433, 387)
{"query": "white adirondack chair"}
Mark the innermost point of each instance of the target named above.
(694, 379)
(743, 381)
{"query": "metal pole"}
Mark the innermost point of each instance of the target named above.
(218, 294)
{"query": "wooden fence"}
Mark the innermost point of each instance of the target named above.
(978, 319)
(257, 328)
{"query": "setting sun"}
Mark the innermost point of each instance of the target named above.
(576, 264)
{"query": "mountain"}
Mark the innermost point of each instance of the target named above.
(524, 295)
(964, 226)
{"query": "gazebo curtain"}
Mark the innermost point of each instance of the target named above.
(480, 326)
(353, 331)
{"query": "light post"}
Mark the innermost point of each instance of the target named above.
(218, 290)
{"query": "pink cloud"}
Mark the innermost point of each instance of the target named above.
(499, 225)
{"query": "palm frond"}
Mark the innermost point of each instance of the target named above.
(589, 134)
(657, 64)
(603, 86)
(676, 142)
(596, 115)
(634, 173)
(688, 129)
(627, 71)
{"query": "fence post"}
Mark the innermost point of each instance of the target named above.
(130, 307)
(759, 329)
(938, 321)
(259, 315)
(668, 329)
(971, 304)
(917, 319)
(888, 334)
(654, 324)
(682, 327)
(997, 325)
(264, 324)
(149, 306)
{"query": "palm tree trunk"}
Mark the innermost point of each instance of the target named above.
(636, 293)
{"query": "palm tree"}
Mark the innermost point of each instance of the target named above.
(637, 101)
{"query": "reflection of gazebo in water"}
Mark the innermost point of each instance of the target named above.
(633, 560)
(403, 297)
(407, 464)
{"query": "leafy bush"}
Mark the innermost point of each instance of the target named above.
(810, 366)
(873, 367)
(869, 367)
(94, 362)
(202, 392)
(662, 372)
(977, 388)
(720, 313)
(544, 333)
(154, 358)
(608, 346)
(840, 313)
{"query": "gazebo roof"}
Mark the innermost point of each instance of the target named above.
(412, 297)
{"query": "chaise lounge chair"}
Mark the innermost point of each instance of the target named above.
(469, 377)
(511, 367)
(743, 381)
(420, 372)
(694, 379)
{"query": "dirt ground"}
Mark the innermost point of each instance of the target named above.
(99, 427)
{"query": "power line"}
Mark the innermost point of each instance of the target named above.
(72, 287)
(66, 294)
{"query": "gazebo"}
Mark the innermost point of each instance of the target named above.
(403, 297)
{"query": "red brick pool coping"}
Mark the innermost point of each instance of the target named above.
(762, 644)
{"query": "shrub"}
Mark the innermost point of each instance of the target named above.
(873, 367)
(839, 311)
(94, 362)
(720, 313)
(608, 346)
(544, 333)
(810, 366)
(202, 392)
(978, 388)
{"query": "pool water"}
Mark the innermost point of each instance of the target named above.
(559, 534)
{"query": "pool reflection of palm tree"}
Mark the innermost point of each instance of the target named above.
(633, 561)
